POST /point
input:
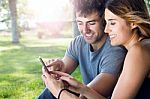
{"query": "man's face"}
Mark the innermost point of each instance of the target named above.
(90, 26)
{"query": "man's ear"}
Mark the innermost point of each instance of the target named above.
(133, 26)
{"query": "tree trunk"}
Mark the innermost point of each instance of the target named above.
(13, 12)
(75, 26)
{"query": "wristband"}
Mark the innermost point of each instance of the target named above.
(61, 92)
(76, 94)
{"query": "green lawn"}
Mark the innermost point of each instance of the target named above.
(20, 69)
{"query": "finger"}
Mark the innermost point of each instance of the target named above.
(44, 79)
(52, 76)
(52, 65)
(57, 62)
(47, 76)
(62, 74)
(46, 63)
(44, 70)
(71, 81)
(73, 89)
(49, 62)
(74, 85)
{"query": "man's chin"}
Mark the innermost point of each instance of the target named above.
(114, 44)
(89, 41)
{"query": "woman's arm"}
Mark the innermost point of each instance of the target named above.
(80, 88)
(134, 72)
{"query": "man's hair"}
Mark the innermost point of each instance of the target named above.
(85, 7)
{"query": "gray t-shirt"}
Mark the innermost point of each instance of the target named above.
(107, 59)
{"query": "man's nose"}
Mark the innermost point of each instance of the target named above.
(86, 28)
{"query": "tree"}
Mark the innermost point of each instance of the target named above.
(148, 5)
(75, 26)
(13, 13)
(4, 16)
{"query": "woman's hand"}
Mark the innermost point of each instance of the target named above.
(56, 84)
(74, 85)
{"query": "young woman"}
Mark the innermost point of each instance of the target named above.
(128, 24)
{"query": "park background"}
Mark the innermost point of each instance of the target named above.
(29, 29)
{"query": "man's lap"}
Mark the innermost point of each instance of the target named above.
(46, 94)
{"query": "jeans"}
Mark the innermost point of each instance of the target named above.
(46, 94)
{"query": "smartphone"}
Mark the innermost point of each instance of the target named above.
(66, 85)
(45, 67)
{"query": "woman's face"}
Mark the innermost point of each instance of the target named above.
(117, 28)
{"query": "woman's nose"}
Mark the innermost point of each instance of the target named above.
(106, 30)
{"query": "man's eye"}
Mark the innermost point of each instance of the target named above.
(79, 23)
(92, 23)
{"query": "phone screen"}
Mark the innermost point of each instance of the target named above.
(45, 67)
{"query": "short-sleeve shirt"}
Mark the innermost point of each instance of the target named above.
(107, 59)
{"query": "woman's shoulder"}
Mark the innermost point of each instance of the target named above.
(141, 47)
(145, 43)
(140, 51)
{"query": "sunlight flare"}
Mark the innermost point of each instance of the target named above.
(48, 10)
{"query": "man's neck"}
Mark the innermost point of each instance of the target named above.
(99, 44)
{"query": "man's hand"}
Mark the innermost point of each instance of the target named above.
(55, 65)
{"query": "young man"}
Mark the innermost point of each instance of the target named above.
(99, 62)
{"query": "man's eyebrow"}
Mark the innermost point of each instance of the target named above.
(92, 21)
(78, 21)
(87, 21)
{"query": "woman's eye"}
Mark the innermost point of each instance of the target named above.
(112, 23)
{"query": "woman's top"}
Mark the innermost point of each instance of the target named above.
(144, 92)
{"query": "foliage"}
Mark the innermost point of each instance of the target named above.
(4, 16)
(20, 73)
(22, 11)
(148, 5)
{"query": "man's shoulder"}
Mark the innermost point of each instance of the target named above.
(79, 39)
(109, 48)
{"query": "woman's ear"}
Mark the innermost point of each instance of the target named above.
(133, 26)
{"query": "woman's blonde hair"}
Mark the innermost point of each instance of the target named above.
(133, 11)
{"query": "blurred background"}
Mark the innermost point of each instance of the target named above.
(29, 29)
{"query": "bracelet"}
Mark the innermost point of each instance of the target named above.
(61, 92)
(76, 94)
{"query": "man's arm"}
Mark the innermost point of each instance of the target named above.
(69, 64)
(66, 64)
(111, 67)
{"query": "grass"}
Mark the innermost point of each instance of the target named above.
(20, 69)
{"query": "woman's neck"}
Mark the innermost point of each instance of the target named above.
(134, 39)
